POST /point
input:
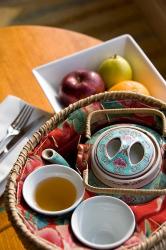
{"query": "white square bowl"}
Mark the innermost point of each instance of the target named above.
(50, 75)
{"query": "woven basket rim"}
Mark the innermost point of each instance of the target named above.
(157, 238)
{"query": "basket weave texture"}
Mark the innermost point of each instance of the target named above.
(157, 240)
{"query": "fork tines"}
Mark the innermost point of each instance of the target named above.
(23, 117)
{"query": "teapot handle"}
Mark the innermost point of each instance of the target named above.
(126, 111)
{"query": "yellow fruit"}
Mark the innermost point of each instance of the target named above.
(130, 86)
(115, 69)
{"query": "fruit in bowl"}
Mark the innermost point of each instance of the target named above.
(79, 84)
(130, 86)
(115, 69)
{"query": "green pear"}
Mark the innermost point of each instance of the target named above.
(115, 69)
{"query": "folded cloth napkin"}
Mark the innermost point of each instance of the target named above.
(9, 108)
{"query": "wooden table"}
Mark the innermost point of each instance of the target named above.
(21, 49)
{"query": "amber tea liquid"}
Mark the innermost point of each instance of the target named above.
(55, 193)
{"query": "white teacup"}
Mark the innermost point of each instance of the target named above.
(44, 173)
(103, 222)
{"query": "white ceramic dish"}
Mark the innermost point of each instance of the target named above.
(50, 75)
(46, 172)
(103, 222)
(11, 106)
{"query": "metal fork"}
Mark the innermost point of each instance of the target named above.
(18, 123)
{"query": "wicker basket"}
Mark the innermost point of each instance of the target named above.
(156, 241)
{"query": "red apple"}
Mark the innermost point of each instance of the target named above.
(80, 84)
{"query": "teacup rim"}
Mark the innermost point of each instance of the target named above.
(59, 212)
(103, 246)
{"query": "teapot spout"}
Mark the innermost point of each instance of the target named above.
(52, 156)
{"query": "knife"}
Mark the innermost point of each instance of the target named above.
(8, 147)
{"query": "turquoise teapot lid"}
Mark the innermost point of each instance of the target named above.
(124, 152)
(125, 155)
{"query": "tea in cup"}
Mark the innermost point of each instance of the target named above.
(53, 189)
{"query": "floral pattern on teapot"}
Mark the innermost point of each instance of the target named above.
(158, 182)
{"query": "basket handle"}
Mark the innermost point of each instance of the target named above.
(126, 111)
(121, 191)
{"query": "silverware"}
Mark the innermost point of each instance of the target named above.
(10, 145)
(18, 123)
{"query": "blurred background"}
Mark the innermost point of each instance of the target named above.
(102, 19)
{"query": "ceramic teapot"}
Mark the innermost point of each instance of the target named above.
(124, 160)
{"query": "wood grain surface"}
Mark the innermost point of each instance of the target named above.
(144, 20)
(24, 47)
(21, 49)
